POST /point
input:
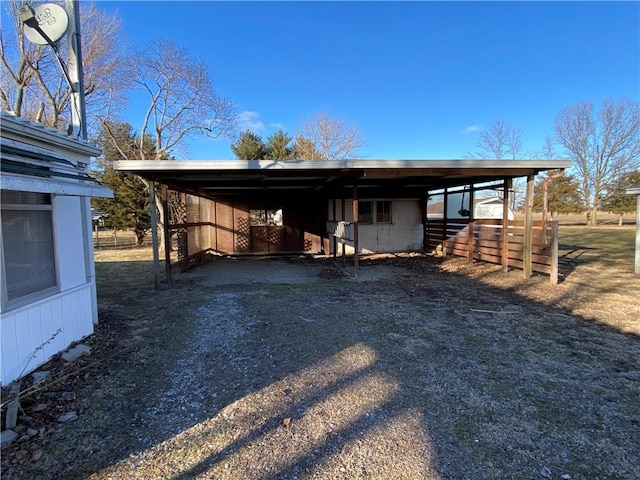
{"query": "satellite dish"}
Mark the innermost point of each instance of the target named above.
(52, 20)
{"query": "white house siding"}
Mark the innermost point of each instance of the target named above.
(72, 310)
(26, 330)
(33, 331)
(403, 234)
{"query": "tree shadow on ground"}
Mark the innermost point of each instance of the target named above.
(433, 375)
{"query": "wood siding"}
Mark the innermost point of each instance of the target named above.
(224, 227)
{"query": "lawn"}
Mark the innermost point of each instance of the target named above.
(606, 245)
(421, 368)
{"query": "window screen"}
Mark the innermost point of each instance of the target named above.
(27, 244)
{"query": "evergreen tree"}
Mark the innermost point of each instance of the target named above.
(129, 209)
(616, 199)
(563, 196)
(278, 146)
(249, 146)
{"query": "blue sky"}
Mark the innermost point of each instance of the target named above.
(419, 79)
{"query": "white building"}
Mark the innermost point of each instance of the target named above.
(48, 294)
(490, 207)
(384, 225)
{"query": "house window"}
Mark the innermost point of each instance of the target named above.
(28, 257)
(365, 208)
(383, 211)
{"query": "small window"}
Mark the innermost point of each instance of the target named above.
(257, 218)
(27, 245)
(383, 211)
(365, 209)
(261, 217)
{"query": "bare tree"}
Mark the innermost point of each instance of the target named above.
(601, 146)
(502, 140)
(33, 84)
(323, 137)
(182, 99)
(182, 103)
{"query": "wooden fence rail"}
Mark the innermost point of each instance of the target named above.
(482, 240)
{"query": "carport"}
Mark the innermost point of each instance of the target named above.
(236, 204)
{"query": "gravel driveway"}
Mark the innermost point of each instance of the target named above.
(295, 369)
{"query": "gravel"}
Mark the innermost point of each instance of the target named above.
(297, 369)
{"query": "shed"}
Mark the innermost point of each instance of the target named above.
(636, 191)
(48, 275)
(227, 203)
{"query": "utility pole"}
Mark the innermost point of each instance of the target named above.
(74, 64)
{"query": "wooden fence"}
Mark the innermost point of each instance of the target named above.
(485, 240)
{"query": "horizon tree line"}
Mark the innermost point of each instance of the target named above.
(182, 104)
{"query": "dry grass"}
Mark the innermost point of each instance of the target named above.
(450, 371)
(106, 238)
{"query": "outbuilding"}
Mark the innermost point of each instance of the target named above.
(333, 207)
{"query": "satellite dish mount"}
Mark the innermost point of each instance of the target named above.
(45, 25)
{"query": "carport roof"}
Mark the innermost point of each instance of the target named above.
(374, 178)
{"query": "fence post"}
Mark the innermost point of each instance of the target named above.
(528, 229)
(554, 253)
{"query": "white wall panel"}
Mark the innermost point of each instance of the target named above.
(26, 329)
(403, 234)
(68, 231)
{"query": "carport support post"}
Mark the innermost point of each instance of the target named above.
(344, 234)
(335, 240)
(423, 213)
(528, 228)
(637, 261)
(445, 221)
(505, 225)
(355, 228)
(167, 234)
(154, 235)
(554, 253)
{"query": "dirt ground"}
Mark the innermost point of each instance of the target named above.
(292, 368)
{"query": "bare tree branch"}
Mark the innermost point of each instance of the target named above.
(323, 137)
(31, 75)
(502, 140)
(601, 146)
(182, 100)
